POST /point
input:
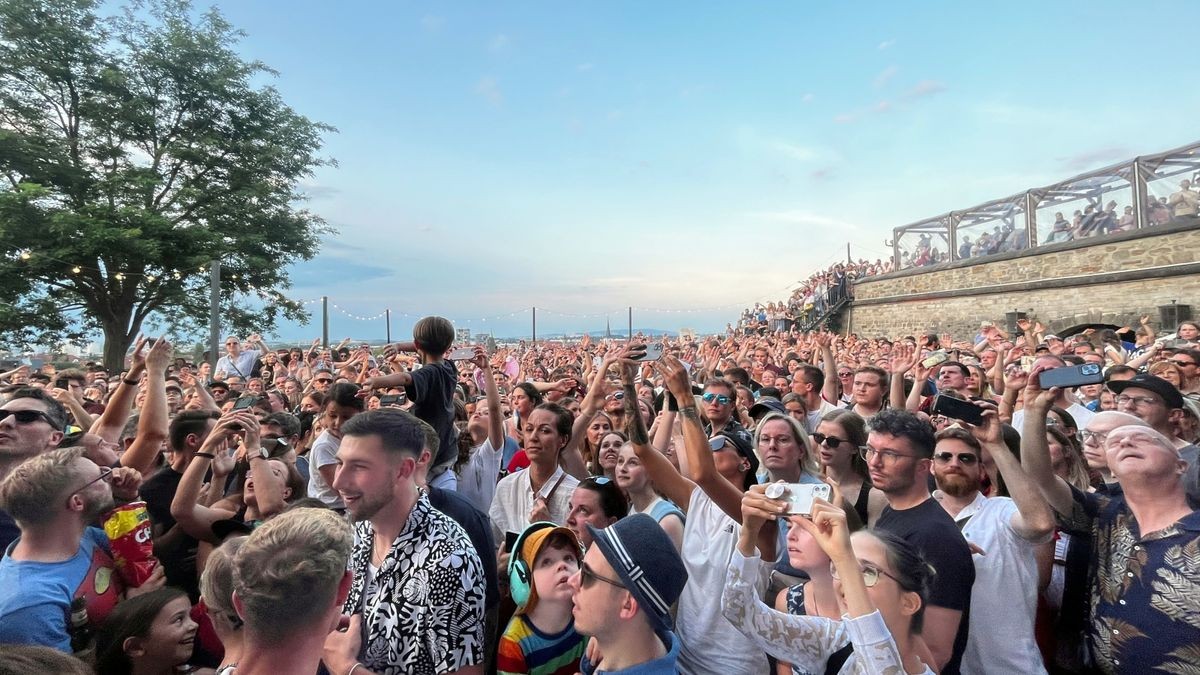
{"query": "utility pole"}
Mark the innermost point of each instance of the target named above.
(214, 314)
(325, 321)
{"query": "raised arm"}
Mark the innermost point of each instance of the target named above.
(193, 518)
(830, 391)
(1033, 520)
(904, 358)
(667, 480)
(112, 421)
(1035, 452)
(152, 422)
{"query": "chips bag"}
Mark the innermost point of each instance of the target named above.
(129, 532)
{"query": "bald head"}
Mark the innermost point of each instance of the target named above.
(1108, 420)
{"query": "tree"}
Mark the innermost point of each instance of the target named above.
(136, 149)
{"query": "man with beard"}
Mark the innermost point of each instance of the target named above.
(418, 582)
(1007, 531)
(60, 558)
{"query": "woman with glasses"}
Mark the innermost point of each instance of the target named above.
(879, 582)
(596, 501)
(838, 441)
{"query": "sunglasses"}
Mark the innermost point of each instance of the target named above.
(326, 381)
(830, 442)
(27, 416)
(598, 480)
(719, 398)
(589, 576)
(964, 458)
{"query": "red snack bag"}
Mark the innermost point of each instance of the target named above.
(129, 533)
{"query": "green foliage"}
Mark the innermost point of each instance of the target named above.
(138, 148)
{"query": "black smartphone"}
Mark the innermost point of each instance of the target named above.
(62, 383)
(245, 402)
(391, 399)
(957, 409)
(1071, 376)
(510, 540)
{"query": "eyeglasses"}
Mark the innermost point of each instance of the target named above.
(1136, 400)
(964, 458)
(1093, 437)
(870, 574)
(324, 380)
(830, 442)
(105, 475)
(889, 457)
(1181, 364)
(587, 576)
(27, 417)
(722, 399)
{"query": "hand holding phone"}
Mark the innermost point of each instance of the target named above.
(799, 496)
(957, 409)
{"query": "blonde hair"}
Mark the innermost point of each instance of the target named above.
(29, 494)
(808, 463)
(287, 571)
(216, 581)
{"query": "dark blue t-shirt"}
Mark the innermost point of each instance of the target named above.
(432, 394)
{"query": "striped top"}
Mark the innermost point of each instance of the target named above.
(525, 649)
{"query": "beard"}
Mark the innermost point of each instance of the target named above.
(956, 484)
(370, 504)
(97, 506)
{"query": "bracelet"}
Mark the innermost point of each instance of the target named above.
(353, 668)
(132, 383)
(207, 455)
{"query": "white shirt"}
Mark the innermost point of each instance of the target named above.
(814, 417)
(324, 453)
(514, 497)
(241, 367)
(477, 478)
(1004, 597)
(1081, 414)
(708, 642)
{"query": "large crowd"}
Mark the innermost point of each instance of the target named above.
(767, 500)
(811, 300)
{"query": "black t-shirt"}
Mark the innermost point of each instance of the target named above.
(8, 531)
(928, 527)
(432, 394)
(479, 531)
(178, 561)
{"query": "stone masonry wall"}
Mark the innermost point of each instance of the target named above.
(1112, 281)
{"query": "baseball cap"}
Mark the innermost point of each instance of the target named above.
(644, 558)
(1153, 383)
(765, 405)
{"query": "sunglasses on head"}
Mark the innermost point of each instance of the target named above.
(830, 442)
(719, 398)
(27, 416)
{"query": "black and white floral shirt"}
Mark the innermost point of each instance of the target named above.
(426, 616)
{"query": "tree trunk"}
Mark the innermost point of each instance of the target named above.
(118, 336)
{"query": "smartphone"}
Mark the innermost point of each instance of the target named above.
(462, 354)
(1071, 376)
(958, 409)
(62, 383)
(244, 402)
(935, 358)
(510, 540)
(392, 399)
(654, 352)
(799, 496)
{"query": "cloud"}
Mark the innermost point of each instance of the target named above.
(925, 88)
(807, 98)
(499, 43)
(884, 77)
(489, 89)
(584, 67)
(1090, 159)
(317, 191)
(883, 106)
(803, 217)
(431, 23)
(886, 44)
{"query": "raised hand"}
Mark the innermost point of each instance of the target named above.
(904, 358)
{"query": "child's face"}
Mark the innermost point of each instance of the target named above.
(552, 569)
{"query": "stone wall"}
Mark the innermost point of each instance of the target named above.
(1110, 280)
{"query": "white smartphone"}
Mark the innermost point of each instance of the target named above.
(654, 352)
(799, 496)
(462, 354)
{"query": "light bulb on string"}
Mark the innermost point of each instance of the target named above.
(119, 277)
(76, 270)
(25, 255)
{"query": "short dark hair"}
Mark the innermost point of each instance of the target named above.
(54, 410)
(1119, 369)
(613, 502)
(288, 423)
(959, 434)
(738, 374)
(398, 431)
(957, 364)
(876, 371)
(905, 424)
(189, 422)
(532, 392)
(812, 375)
(433, 334)
(345, 394)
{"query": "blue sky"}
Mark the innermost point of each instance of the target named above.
(585, 157)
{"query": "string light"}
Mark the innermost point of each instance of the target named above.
(25, 255)
(76, 270)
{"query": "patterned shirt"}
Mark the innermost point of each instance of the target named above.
(1145, 590)
(425, 615)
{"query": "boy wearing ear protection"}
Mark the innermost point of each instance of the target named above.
(541, 638)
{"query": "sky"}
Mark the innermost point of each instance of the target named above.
(693, 157)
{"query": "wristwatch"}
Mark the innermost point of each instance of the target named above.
(261, 454)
